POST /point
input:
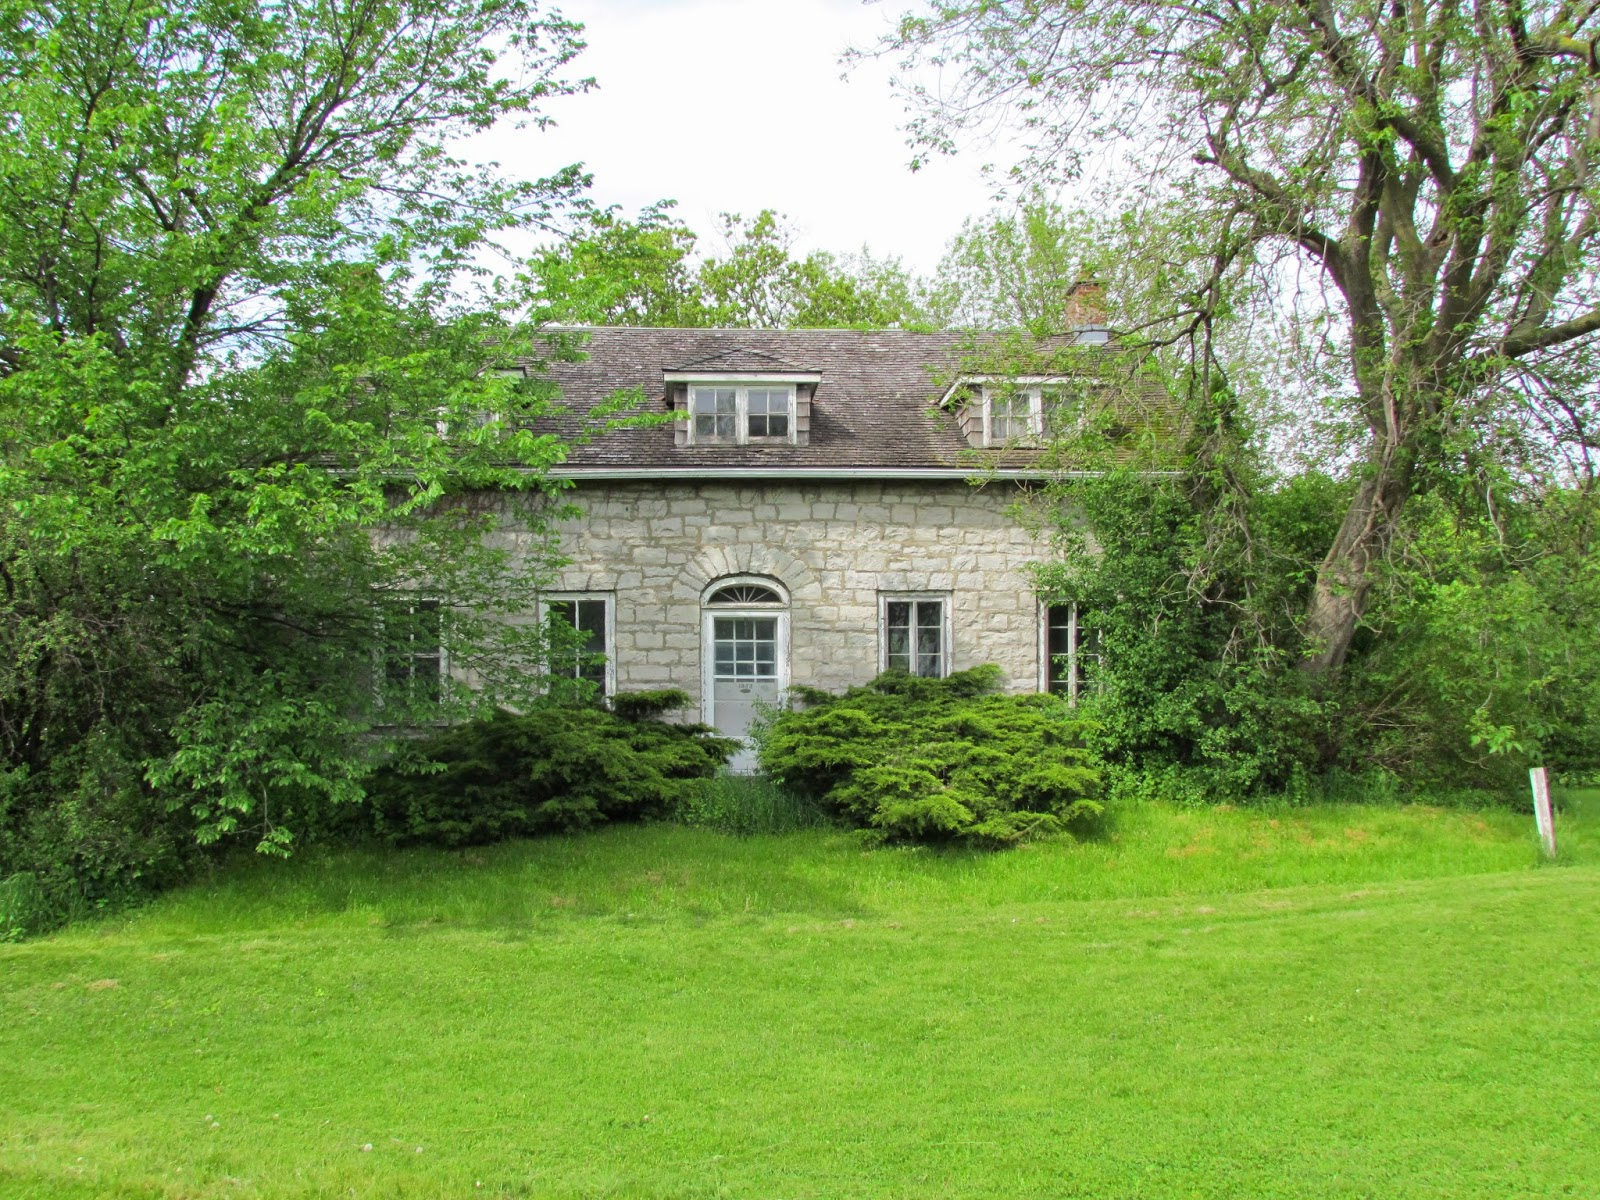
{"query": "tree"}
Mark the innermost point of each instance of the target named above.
(248, 390)
(612, 271)
(644, 272)
(1014, 268)
(1432, 164)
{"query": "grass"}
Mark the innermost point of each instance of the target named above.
(1326, 1002)
(747, 804)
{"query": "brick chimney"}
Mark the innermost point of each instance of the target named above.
(1086, 312)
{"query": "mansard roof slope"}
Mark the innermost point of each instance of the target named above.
(875, 407)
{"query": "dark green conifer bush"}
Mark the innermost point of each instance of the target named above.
(939, 759)
(553, 769)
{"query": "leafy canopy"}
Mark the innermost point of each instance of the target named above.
(248, 384)
(613, 271)
(1404, 191)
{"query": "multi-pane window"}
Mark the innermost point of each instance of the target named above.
(414, 655)
(1033, 412)
(1011, 416)
(745, 647)
(741, 413)
(1072, 652)
(716, 413)
(744, 593)
(914, 637)
(769, 412)
(580, 645)
(1061, 410)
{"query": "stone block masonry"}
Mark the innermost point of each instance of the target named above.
(654, 547)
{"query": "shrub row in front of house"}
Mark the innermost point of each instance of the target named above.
(555, 769)
(908, 759)
(938, 759)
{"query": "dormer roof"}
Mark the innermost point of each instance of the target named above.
(740, 360)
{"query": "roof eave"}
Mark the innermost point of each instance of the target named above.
(761, 474)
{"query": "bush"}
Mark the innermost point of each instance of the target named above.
(939, 759)
(553, 769)
(83, 835)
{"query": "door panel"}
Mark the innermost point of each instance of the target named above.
(745, 673)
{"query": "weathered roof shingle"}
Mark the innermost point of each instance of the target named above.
(875, 407)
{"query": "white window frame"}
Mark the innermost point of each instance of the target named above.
(708, 634)
(1034, 390)
(1035, 397)
(1073, 648)
(609, 599)
(946, 627)
(412, 604)
(742, 387)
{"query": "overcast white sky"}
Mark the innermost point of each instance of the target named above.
(738, 105)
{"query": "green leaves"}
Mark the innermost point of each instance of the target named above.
(940, 759)
(250, 397)
(614, 271)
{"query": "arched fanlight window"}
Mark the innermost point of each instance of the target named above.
(744, 593)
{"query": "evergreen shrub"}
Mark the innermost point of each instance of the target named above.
(939, 759)
(552, 769)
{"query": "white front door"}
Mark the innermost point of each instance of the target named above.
(747, 672)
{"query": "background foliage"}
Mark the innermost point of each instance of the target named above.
(615, 271)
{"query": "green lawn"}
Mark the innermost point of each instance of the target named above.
(1339, 1002)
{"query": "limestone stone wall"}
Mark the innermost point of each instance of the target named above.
(656, 546)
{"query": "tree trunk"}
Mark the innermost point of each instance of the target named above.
(1339, 597)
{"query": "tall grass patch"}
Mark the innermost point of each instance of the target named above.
(746, 804)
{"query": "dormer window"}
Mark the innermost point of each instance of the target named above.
(1026, 413)
(1011, 415)
(1016, 415)
(741, 413)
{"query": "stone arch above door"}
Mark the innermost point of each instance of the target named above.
(718, 562)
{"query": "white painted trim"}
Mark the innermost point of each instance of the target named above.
(741, 413)
(708, 654)
(947, 632)
(1035, 434)
(1072, 647)
(712, 377)
(1043, 684)
(609, 599)
(771, 582)
(966, 381)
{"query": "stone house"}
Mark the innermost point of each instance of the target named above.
(828, 504)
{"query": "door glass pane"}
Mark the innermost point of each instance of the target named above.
(746, 647)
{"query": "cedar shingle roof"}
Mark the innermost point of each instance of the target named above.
(874, 406)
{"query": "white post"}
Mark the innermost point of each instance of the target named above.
(1542, 813)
